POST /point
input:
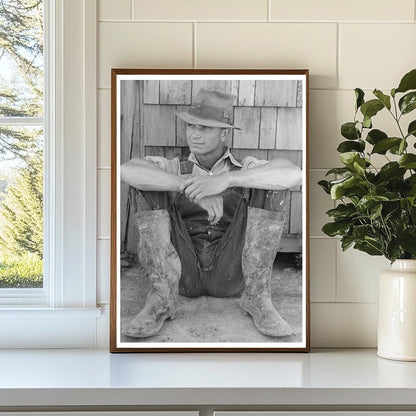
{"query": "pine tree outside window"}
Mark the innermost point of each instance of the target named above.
(22, 127)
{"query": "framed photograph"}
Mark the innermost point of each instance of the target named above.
(209, 211)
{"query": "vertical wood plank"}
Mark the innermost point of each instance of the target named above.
(246, 93)
(131, 239)
(294, 156)
(234, 91)
(248, 119)
(155, 151)
(213, 85)
(281, 93)
(137, 149)
(296, 213)
(175, 92)
(159, 125)
(268, 120)
(181, 127)
(151, 92)
(128, 106)
(299, 97)
(289, 129)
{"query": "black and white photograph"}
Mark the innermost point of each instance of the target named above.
(209, 237)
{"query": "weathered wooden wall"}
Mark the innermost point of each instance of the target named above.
(269, 114)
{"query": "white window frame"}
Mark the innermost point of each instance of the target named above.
(64, 313)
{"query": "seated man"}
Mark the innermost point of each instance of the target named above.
(202, 224)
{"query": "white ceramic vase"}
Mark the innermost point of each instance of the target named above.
(397, 312)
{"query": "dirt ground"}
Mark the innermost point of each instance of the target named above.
(209, 319)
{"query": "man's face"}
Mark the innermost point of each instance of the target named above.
(203, 140)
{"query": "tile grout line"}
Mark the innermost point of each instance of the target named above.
(308, 22)
(194, 62)
(269, 10)
(338, 65)
(336, 271)
(131, 9)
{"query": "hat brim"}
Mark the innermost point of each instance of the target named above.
(190, 119)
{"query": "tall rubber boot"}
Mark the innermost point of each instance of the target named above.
(262, 239)
(158, 256)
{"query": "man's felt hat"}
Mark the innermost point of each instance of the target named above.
(210, 108)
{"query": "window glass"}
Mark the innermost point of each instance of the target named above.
(21, 143)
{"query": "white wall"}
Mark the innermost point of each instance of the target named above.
(345, 44)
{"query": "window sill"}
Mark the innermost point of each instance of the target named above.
(40, 327)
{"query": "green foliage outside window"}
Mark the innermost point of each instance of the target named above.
(21, 147)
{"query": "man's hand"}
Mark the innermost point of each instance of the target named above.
(203, 186)
(214, 207)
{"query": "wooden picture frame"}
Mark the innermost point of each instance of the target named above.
(148, 108)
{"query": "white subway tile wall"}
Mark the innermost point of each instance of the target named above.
(104, 128)
(345, 44)
(355, 10)
(270, 45)
(323, 269)
(200, 10)
(114, 10)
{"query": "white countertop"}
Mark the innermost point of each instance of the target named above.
(96, 377)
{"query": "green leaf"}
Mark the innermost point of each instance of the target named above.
(325, 186)
(393, 92)
(359, 232)
(338, 171)
(348, 158)
(349, 131)
(346, 242)
(346, 187)
(375, 211)
(408, 82)
(336, 228)
(408, 102)
(368, 248)
(359, 95)
(385, 144)
(391, 170)
(411, 130)
(342, 211)
(398, 149)
(371, 108)
(369, 201)
(367, 122)
(375, 135)
(385, 99)
(408, 161)
(407, 239)
(350, 146)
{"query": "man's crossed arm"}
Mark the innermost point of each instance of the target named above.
(205, 190)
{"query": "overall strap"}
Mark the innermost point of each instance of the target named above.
(186, 167)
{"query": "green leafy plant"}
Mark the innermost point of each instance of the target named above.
(376, 212)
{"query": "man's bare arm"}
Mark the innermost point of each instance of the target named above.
(274, 175)
(147, 176)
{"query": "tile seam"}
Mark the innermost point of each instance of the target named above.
(309, 22)
(194, 55)
(338, 56)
